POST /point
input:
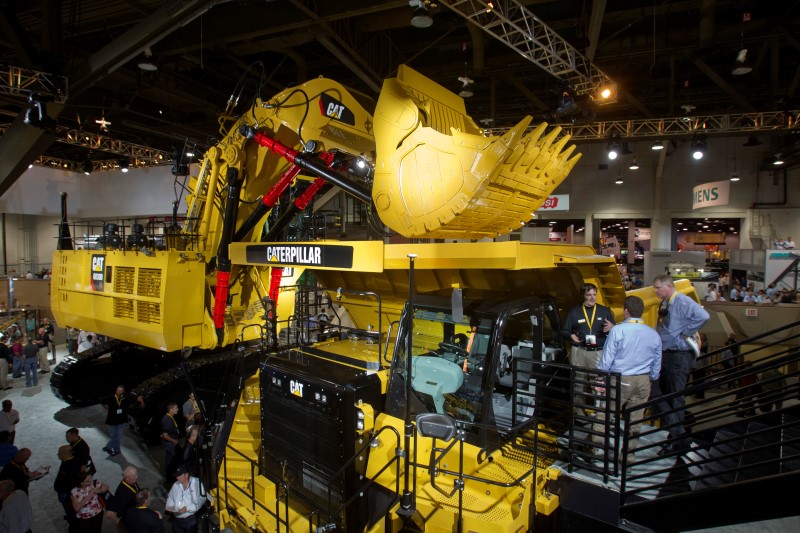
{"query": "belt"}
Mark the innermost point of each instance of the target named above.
(592, 349)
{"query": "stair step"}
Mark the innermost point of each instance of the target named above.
(721, 466)
(751, 456)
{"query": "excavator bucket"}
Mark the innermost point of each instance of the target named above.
(438, 176)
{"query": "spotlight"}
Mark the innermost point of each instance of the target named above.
(777, 159)
(698, 148)
(634, 165)
(613, 147)
(734, 177)
(87, 167)
(421, 17)
(752, 141)
(741, 65)
(658, 145)
(605, 94)
(123, 165)
(36, 115)
(619, 181)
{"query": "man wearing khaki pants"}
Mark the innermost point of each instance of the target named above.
(43, 340)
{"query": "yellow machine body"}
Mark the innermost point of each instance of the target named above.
(436, 175)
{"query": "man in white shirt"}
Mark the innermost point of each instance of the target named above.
(185, 498)
(16, 514)
(86, 344)
(9, 418)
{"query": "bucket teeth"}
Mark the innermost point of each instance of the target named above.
(442, 179)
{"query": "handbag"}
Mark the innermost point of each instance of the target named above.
(106, 499)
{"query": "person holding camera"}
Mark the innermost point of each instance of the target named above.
(586, 326)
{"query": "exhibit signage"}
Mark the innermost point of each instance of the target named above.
(710, 194)
(556, 202)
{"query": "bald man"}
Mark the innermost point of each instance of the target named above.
(18, 472)
(125, 495)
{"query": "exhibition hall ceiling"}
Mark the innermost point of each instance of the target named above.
(668, 58)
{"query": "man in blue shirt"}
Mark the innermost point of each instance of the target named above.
(678, 317)
(632, 349)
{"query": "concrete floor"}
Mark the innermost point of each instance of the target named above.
(44, 420)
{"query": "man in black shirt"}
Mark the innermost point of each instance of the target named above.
(116, 416)
(125, 495)
(170, 435)
(80, 450)
(142, 519)
(586, 327)
(43, 340)
(66, 480)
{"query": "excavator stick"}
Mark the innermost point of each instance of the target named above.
(438, 176)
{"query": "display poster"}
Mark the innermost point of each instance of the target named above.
(711, 194)
(556, 202)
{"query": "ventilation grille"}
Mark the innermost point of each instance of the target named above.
(123, 280)
(148, 312)
(123, 308)
(150, 282)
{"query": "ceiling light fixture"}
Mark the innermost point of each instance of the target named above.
(634, 164)
(421, 18)
(658, 145)
(742, 65)
(777, 159)
(618, 181)
(698, 147)
(87, 167)
(146, 64)
(123, 165)
(613, 147)
(465, 91)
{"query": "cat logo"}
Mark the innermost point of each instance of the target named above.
(335, 111)
(98, 274)
(333, 108)
(296, 388)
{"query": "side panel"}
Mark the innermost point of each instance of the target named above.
(155, 300)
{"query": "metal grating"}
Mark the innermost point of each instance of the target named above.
(123, 308)
(149, 282)
(148, 312)
(123, 280)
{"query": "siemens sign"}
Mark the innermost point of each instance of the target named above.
(709, 194)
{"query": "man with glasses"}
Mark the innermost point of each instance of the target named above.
(679, 317)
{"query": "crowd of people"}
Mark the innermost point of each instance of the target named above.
(739, 292)
(87, 500)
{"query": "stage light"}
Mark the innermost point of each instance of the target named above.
(698, 148)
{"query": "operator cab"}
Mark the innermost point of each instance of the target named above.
(476, 367)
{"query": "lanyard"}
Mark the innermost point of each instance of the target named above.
(635, 321)
(119, 400)
(132, 489)
(662, 317)
(589, 323)
(173, 420)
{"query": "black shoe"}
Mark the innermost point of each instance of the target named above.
(673, 449)
(108, 450)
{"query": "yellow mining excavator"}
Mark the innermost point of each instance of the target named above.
(394, 390)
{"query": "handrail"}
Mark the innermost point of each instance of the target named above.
(279, 495)
(726, 450)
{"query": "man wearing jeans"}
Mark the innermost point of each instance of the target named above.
(116, 415)
(678, 317)
(31, 352)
